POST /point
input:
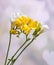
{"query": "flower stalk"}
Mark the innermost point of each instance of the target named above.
(8, 50)
(14, 60)
(27, 39)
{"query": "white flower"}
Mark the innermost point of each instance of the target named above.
(15, 16)
(45, 27)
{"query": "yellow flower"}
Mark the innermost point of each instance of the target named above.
(38, 28)
(22, 20)
(26, 29)
(13, 31)
(33, 24)
(17, 22)
(25, 24)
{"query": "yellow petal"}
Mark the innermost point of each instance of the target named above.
(26, 29)
(17, 22)
(13, 31)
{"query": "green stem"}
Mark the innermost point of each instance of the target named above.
(23, 50)
(8, 50)
(17, 51)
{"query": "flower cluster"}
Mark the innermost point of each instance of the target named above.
(24, 24)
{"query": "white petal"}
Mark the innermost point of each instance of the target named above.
(18, 14)
(45, 27)
(15, 16)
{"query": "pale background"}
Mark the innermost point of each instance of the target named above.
(41, 51)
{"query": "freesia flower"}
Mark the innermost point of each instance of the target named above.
(24, 24)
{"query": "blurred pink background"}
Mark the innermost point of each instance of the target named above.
(41, 51)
